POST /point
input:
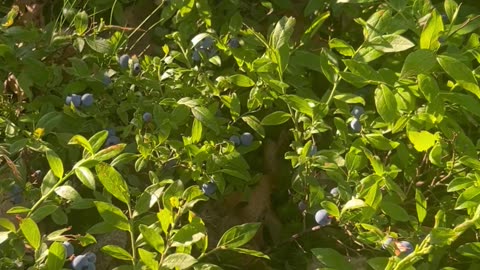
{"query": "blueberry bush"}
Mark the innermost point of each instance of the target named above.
(201, 134)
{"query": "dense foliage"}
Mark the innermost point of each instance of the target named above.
(197, 134)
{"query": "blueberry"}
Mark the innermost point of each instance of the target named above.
(212, 52)
(356, 125)
(147, 117)
(235, 140)
(313, 150)
(80, 262)
(357, 111)
(136, 69)
(196, 56)
(246, 139)
(205, 43)
(322, 218)
(113, 140)
(234, 43)
(111, 132)
(405, 247)
(444, 18)
(76, 100)
(387, 242)
(68, 100)
(91, 266)
(16, 194)
(87, 100)
(69, 250)
(334, 192)
(106, 80)
(209, 188)
(123, 61)
(91, 257)
(302, 206)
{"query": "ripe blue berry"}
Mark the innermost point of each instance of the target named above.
(80, 262)
(209, 188)
(136, 69)
(111, 132)
(357, 111)
(196, 56)
(123, 61)
(75, 99)
(113, 140)
(106, 80)
(16, 194)
(322, 218)
(334, 192)
(405, 247)
(387, 242)
(246, 139)
(147, 117)
(302, 206)
(235, 140)
(356, 125)
(313, 150)
(91, 257)
(87, 100)
(234, 43)
(69, 250)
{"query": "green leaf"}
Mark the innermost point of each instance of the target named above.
(363, 70)
(378, 141)
(56, 256)
(331, 208)
(153, 238)
(460, 73)
(117, 252)
(43, 211)
(7, 224)
(395, 211)
(188, 235)
(109, 152)
(418, 62)
(113, 182)
(147, 199)
(68, 193)
(459, 183)
(251, 252)
(275, 118)
(113, 215)
(196, 131)
(206, 118)
(422, 141)
(470, 162)
(466, 101)
(391, 43)
(31, 232)
(55, 163)
(386, 104)
(431, 32)
(179, 261)
(353, 204)
(470, 250)
(282, 32)
(239, 235)
(254, 123)
(241, 80)
(299, 104)
(330, 258)
(421, 205)
(86, 177)
(341, 46)
(468, 198)
(165, 218)
(329, 65)
(81, 22)
(451, 9)
(80, 140)
(148, 258)
(429, 87)
(350, 98)
(98, 140)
